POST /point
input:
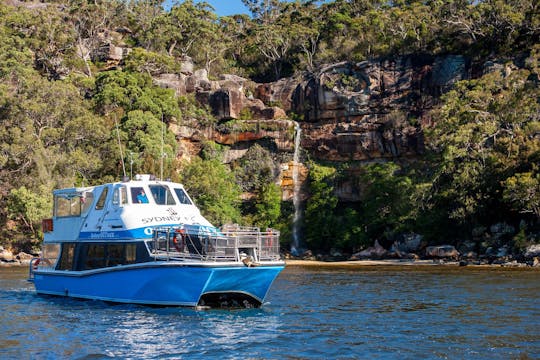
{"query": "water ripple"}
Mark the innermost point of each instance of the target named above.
(315, 314)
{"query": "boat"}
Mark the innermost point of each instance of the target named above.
(144, 241)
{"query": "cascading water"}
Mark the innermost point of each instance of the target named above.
(295, 248)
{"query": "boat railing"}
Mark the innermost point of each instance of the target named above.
(247, 244)
(40, 263)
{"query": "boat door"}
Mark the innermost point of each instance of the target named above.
(118, 199)
(94, 221)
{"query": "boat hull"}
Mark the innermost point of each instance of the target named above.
(161, 283)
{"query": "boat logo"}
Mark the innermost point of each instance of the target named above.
(171, 211)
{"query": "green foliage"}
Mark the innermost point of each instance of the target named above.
(134, 91)
(193, 113)
(147, 141)
(523, 191)
(320, 209)
(27, 208)
(487, 147)
(149, 62)
(255, 169)
(267, 206)
(212, 186)
(386, 200)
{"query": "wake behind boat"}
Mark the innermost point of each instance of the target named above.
(143, 241)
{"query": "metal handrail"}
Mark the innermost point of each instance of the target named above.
(229, 244)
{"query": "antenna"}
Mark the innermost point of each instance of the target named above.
(120, 146)
(131, 165)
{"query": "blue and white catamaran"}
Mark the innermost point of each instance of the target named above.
(143, 241)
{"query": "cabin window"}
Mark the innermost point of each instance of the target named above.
(182, 196)
(95, 256)
(162, 195)
(138, 196)
(120, 196)
(101, 255)
(66, 258)
(115, 254)
(131, 253)
(50, 253)
(87, 199)
(101, 201)
(68, 205)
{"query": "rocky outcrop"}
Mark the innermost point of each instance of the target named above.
(368, 110)
(348, 111)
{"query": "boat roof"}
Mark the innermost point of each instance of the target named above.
(138, 179)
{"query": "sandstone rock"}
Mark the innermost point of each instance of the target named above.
(408, 243)
(502, 251)
(24, 258)
(374, 252)
(6, 256)
(470, 255)
(109, 52)
(186, 65)
(442, 251)
(532, 251)
(448, 70)
(279, 93)
(199, 81)
(177, 82)
(226, 103)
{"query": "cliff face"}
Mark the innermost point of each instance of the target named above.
(347, 111)
(368, 110)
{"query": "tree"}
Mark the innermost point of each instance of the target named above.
(213, 188)
(385, 201)
(148, 144)
(523, 191)
(319, 215)
(90, 19)
(185, 25)
(268, 205)
(255, 169)
(484, 139)
(28, 208)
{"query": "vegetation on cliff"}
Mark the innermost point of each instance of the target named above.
(67, 116)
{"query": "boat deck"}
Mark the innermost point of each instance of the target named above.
(248, 245)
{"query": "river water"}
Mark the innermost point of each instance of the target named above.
(312, 313)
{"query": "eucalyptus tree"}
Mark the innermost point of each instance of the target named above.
(487, 146)
(184, 26)
(49, 139)
(143, 15)
(141, 112)
(91, 20)
(270, 34)
(212, 185)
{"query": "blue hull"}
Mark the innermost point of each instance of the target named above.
(161, 283)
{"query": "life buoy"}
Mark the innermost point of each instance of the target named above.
(35, 264)
(179, 240)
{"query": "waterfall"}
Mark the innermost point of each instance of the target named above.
(295, 248)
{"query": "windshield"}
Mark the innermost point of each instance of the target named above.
(162, 195)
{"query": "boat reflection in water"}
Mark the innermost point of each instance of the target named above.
(145, 242)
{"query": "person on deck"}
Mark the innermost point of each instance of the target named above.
(141, 197)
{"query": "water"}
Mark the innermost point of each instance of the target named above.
(368, 313)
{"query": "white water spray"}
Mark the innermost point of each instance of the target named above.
(295, 248)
